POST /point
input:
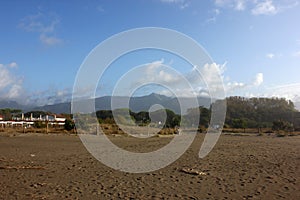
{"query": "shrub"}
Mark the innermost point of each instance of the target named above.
(69, 124)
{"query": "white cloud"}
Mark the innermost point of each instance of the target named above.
(10, 84)
(44, 24)
(287, 91)
(11, 88)
(209, 74)
(49, 40)
(39, 23)
(141, 77)
(240, 5)
(199, 78)
(213, 75)
(6, 78)
(215, 12)
(194, 82)
(259, 79)
(154, 65)
(15, 91)
(270, 55)
(49, 97)
(165, 76)
(264, 8)
(158, 72)
(181, 3)
(257, 7)
(287, 5)
(233, 86)
(13, 65)
(184, 5)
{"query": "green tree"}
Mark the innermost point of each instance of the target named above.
(282, 125)
(69, 124)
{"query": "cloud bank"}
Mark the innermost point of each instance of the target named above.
(198, 78)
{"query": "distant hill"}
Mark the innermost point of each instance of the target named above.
(136, 104)
(55, 108)
(12, 105)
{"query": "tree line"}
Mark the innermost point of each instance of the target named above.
(275, 113)
(261, 113)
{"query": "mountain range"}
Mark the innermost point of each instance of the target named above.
(136, 104)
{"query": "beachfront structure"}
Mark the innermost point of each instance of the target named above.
(50, 118)
(23, 121)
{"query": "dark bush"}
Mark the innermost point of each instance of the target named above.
(69, 124)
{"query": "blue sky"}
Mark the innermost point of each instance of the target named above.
(254, 43)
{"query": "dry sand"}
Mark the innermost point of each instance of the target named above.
(239, 167)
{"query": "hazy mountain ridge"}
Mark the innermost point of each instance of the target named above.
(136, 104)
(13, 105)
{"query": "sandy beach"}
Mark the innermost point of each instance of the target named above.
(39, 166)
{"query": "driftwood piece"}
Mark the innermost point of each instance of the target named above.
(192, 171)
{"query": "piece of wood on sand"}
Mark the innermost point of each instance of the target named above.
(192, 171)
